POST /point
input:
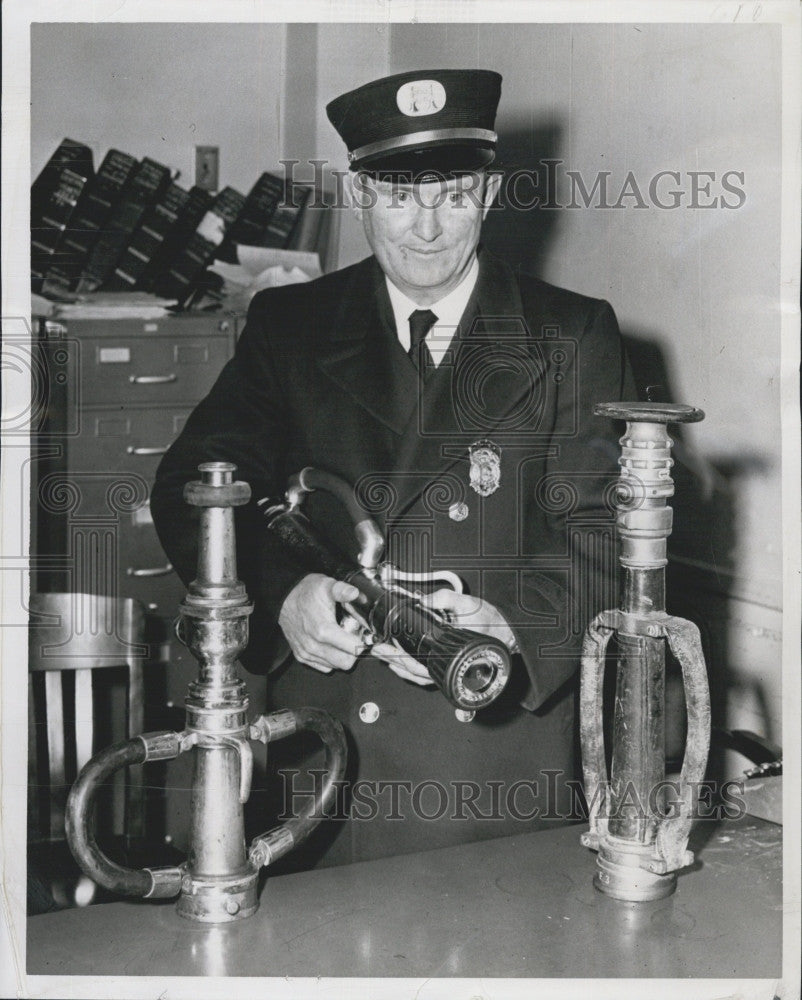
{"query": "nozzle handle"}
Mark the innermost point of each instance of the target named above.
(270, 846)
(594, 766)
(686, 645)
(80, 819)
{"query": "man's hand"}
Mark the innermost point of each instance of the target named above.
(402, 663)
(309, 623)
(464, 611)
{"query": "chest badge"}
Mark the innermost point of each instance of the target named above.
(485, 474)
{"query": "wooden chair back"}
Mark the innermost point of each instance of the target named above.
(71, 637)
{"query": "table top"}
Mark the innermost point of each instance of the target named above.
(521, 906)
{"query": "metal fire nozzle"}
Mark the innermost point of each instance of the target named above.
(639, 822)
(218, 882)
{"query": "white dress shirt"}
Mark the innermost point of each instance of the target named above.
(448, 311)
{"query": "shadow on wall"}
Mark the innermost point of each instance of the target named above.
(703, 545)
(702, 552)
(521, 236)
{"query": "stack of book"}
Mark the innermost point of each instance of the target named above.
(130, 227)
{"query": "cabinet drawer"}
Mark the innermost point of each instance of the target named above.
(109, 548)
(126, 440)
(109, 467)
(144, 570)
(148, 370)
(184, 325)
(160, 597)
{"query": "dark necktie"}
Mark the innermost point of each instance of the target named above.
(420, 322)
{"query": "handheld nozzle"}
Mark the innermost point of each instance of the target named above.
(471, 669)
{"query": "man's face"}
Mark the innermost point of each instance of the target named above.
(424, 235)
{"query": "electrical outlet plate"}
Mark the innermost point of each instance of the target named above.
(207, 167)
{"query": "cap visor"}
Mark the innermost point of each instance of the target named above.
(441, 159)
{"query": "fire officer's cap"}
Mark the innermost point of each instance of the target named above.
(438, 121)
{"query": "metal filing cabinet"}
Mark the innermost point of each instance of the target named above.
(115, 394)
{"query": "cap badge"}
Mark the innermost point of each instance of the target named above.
(485, 476)
(421, 97)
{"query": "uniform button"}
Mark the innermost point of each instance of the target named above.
(458, 511)
(369, 712)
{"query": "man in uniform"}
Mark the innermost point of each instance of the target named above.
(457, 397)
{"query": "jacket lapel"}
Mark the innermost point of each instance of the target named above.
(364, 356)
(459, 404)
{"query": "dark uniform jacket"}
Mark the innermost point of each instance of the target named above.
(319, 379)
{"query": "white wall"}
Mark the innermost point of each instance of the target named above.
(159, 90)
(348, 55)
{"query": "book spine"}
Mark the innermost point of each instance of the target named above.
(74, 155)
(285, 218)
(54, 197)
(48, 229)
(197, 204)
(252, 222)
(90, 215)
(146, 185)
(156, 225)
(183, 273)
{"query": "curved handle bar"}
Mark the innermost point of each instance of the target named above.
(150, 883)
(155, 883)
(594, 766)
(686, 645)
(391, 576)
(368, 536)
(274, 844)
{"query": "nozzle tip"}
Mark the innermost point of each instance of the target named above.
(217, 473)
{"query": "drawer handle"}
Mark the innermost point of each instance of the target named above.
(152, 571)
(159, 450)
(152, 379)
